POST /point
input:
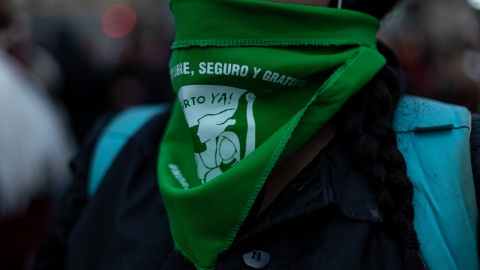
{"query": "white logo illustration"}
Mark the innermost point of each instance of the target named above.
(222, 125)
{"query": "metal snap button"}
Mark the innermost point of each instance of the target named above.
(298, 186)
(256, 259)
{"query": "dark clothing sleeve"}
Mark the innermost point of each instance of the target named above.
(52, 253)
(475, 154)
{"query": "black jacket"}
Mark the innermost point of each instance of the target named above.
(327, 218)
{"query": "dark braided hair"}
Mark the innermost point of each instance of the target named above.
(369, 135)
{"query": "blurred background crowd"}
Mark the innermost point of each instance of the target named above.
(438, 43)
(63, 63)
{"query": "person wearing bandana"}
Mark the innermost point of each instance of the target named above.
(291, 146)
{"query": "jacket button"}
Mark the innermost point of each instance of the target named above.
(256, 259)
(298, 186)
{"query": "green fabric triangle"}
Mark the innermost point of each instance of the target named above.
(254, 81)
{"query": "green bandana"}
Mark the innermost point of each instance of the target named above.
(255, 80)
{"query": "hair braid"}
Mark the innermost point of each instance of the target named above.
(369, 134)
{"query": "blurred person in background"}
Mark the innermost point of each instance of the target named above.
(35, 146)
(438, 47)
(103, 74)
(292, 145)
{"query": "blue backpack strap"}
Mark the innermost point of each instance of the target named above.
(114, 137)
(434, 139)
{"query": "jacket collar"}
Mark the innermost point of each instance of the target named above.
(331, 179)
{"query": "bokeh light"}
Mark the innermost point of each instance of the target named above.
(474, 3)
(118, 20)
